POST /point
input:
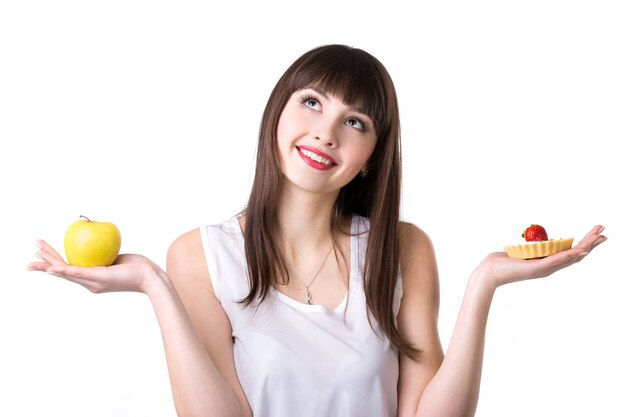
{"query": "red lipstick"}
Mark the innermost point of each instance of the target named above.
(322, 160)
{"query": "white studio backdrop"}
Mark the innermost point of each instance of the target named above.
(146, 114)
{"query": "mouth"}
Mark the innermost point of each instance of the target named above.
(315, 158)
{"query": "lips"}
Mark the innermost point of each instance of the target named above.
(316, 158)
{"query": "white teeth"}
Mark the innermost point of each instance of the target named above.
(316, 157)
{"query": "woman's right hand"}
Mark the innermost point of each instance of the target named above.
(129, 272)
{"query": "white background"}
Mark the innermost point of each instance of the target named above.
(145, 113)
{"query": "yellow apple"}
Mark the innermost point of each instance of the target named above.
(91, 243)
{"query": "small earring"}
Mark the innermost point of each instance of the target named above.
(363, 173)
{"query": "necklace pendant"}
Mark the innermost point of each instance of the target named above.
(309, 297)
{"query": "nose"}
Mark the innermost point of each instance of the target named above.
(326, 134)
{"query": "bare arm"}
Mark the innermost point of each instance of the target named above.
(220, 386)
(198, 386)
(453, 390)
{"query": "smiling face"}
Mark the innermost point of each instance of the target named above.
(322, 142)
(351, 85)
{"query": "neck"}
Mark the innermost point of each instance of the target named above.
(305, 220)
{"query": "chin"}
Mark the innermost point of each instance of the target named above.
(310, 186)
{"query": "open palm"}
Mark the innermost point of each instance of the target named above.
(504, 269)
(128, 273)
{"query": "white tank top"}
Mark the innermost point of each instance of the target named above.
(300, 360)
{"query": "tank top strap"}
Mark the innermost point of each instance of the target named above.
(224, 251)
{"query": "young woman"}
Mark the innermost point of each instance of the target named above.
(317, 300)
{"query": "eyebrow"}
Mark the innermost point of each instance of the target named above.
(323, 94)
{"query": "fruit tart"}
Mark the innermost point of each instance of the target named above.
(537, 244)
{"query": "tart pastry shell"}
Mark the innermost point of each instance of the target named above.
(533, 250)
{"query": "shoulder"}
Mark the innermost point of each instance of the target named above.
(415, 244)
(411, 234)
(418, 264)
(185, 247)
(186, 263)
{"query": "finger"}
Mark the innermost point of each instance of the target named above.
(90, 284)
(37, 266)
(67, 271)
(53, 255)
(580, 251)
(594, 233)
(96, 274)
(598, 241)
(50, 258)
(592, 239)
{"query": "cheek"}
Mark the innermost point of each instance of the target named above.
(282, 135)
(362, 152)
(286, 135)
(285, 129)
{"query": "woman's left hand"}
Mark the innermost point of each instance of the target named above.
(502, 269)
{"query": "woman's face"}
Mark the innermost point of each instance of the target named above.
(323, 143)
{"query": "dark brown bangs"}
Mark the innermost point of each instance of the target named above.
(351, 74)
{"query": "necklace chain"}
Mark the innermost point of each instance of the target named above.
(309, 296)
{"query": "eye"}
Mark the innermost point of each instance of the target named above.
(356, 123)
(311, 102)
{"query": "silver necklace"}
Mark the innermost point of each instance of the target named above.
(309, 297)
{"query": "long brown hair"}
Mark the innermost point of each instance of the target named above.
(361, 80)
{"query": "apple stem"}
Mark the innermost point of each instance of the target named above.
(84, 217)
